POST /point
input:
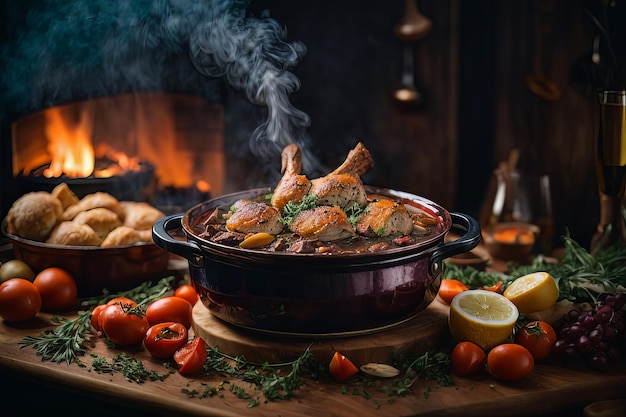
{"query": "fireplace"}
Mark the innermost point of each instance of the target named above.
(166, 149)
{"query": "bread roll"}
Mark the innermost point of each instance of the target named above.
(65, 195)
(140, 215)
(121, 236)
(100, 219)
(34, 215)
(95, 200)
(75, 234)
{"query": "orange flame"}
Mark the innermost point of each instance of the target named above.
(69, 146)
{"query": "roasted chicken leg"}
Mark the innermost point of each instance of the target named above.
(343, 186)
(325, 223)
(293, 186)
(384, 217)
(254, 217)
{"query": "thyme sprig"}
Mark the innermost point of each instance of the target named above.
(265, 377)
(429, 366)
(64, 343)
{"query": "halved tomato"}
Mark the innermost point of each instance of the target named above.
(164, 339)
(191, 356)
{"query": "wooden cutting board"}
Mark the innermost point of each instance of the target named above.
(425, 331)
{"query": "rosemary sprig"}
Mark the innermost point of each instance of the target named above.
(64, 343)
(143, 293)
(581, 276)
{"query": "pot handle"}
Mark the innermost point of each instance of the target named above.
(187, 249)
(471, 236)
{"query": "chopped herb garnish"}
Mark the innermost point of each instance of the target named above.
(291, 210)
(132, 368)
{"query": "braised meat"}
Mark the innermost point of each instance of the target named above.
(293, 186)
(254, 217)
(384, 217)
(326, 223)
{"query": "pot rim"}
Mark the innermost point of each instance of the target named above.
(387, 257)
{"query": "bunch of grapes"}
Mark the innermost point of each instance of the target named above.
(595, 336)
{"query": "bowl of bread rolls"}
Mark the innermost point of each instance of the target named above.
(105, 243)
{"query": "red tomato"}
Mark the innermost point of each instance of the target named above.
(467, 357)
(191, 356)
(57, 288)
(497, 287)
(122, 326)
(95, 316)
(538, 337)
(169, 309)
(188, 292)
(449, 288)
(163, 339)
(341, 368)
(122, 300)
(510, 362)
(19, 300)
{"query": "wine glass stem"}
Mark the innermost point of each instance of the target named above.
(612, 226)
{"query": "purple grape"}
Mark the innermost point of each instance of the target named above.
(603, 314)
(598, 362)
(572, 316)
(596, 335)
(583, 345)
(560, 347)
(609, 334)
(588, 322)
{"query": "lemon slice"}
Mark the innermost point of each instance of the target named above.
(482, 317)
(533, 292)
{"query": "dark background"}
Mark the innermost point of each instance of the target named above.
(470, 68)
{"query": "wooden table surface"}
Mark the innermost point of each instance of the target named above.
(550, 388)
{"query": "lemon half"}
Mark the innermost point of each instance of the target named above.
(533, 292)
(482, 317)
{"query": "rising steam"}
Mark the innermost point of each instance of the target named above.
(77, 50)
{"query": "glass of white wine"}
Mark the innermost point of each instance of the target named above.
(610, 147)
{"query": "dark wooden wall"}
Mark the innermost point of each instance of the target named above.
(470, 67)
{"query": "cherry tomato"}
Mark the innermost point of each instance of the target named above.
(341, 368)
(169, 309)
(467, 358)
(188, 292)
(538, 337)
(95, 316)
(164, 339)
(122, 325)
(57, 288)
(121, 300)
(191, 356)
(19, 300)
(510, 362)
(449, 288)
(497, 287)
